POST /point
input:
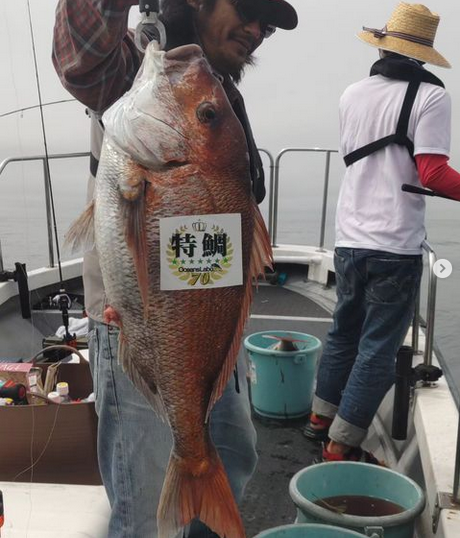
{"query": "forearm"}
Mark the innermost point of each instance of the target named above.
(435, 174)
(93, 53)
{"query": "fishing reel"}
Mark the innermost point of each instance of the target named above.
(64, 302)
(427, 373)
(406, 380)
(60, 346)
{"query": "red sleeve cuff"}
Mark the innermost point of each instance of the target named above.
(435, 174)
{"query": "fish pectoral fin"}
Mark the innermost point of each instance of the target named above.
(149, 390)
(133, 182)
(204, 493)
(136, 239)
(261, 256)
(80, 235)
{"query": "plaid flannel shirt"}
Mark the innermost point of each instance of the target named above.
(87, 54)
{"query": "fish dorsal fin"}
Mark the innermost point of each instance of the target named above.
(80, 235)
(261, 257)
(149, 391)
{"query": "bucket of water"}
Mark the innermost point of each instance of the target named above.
(367, 498)
(282, 372)
(308, 531)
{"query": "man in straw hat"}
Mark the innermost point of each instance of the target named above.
(395, 129)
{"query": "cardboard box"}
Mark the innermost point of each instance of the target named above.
(52, 443)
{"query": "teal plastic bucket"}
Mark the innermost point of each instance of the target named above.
(352, 478)
(308, 531)
(282, 381)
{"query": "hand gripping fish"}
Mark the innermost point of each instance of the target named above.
(173, 147)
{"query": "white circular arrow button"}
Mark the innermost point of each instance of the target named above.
(442, 268)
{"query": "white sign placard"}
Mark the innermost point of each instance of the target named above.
(201, 251)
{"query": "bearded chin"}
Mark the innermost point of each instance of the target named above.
(238, 72)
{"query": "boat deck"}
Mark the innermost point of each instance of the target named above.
(282, 448)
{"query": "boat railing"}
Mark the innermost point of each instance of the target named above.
(430, 308)
(274, 179)
(47, 185)
(274, 182)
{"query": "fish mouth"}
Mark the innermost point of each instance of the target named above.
(184, 53)
(178, 61)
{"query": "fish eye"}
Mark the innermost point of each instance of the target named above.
(206, 112)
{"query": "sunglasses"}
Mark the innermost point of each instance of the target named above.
(248, 11)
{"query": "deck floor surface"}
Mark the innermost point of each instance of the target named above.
(282, 448)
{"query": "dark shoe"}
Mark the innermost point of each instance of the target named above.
(317, 428)
(354, 454)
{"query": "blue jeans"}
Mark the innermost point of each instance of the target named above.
(134, 445)
(376, 294)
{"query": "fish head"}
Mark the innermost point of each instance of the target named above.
(176, 113)
(216, 136)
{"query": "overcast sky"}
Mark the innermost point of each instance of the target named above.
(291, 95)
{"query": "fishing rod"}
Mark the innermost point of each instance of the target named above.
(21, 110)
(62, 299)
(427, 192)
(406, 375)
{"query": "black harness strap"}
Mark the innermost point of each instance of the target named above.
(396, 67)
(403, 122)
(400, 137)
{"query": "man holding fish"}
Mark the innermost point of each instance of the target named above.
(177, 145)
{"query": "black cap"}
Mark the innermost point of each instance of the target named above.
(280, 13)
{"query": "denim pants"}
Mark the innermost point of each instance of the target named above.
(376, 294)
(134, 444)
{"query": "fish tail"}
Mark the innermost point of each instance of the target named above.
(201, 492)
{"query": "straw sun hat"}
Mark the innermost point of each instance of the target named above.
(410, 31)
